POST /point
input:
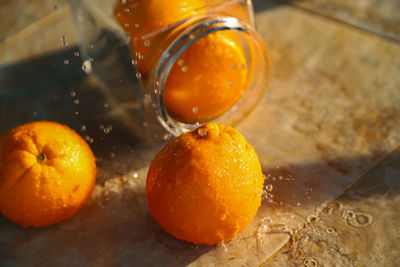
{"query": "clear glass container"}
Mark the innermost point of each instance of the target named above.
(139, 55)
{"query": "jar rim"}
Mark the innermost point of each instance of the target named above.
(190, 32)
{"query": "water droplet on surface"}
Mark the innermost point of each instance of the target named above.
(269, 187)
(90, 45)
(185, 69)
(107, 130)
(234, 66)
(146, 43)
(230, 83)
(66, 61)
(348, 214)
(106, 105)
(123, 2)
(139, 55)
(63, 38)
(55, 7)
(331, 208)
(224, 246)
(89, 139)
(134, 61)
(361, 220)
(166, 137)
(180, 62)
(83, 127)
(64, 43)
(87, 66)
(76, 53)
(191, 36)
(145, 124)
(202, 132)
(76, 113)
(126, 25)
(127, 10)
(73, 93)
(312, 218)
(311, 262)
(135, 175)
(112, 155)
(330, 230)
(34, 113)
(138, 75)
(137, 25)
(76, 101)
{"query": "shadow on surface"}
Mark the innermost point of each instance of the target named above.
(316, 183)
(263, 5)
(111, 230)
(45, 88)
(115, 227)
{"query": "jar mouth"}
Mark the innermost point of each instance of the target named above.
(186, 35)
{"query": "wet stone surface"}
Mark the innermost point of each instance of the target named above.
(331, 114)
(360, 228)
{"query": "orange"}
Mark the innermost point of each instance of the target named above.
(208, 79)
(142, 17)
(47, 172)
(205, 186)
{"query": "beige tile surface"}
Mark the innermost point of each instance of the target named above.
(360, 228)
(16, 16)
(377, 17)
(51, 33)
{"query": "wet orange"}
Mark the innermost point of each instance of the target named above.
(208, 79)
(139, 18)
(47, 172)
(205, 186)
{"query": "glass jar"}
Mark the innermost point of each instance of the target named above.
(167, 69)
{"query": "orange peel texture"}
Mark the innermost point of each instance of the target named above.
(47, 172)
(205, 186)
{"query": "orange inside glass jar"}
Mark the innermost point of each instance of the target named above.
(207, 79)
